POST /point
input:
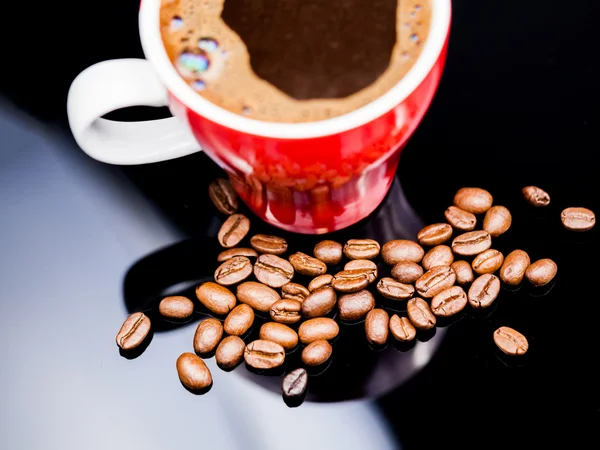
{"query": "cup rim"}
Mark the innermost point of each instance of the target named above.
(155, 52)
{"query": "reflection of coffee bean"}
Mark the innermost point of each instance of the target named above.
(484, 291)
(497, 220)
(273, 270)
(440, 255)
(233, 271)
(262, 354)
(471, 243)
(487, 261)
(377, 326)
(193, 372)
(215, 297)
(241, 251)
(207, 336)
(307, 265)
(223, 196)
(463, 271)
(257, 295)
(355, 306)
(473, 200)
(330, 252)
(514, 267)
(233, 230)
(390, 288)
(133, 331)
(176, 307)
(536, 196)
(294, 291)
(361, 249)
(435, 280)
(319, 302)
(317, 353)
(402, 329)
(407, 272)
(319, 328)
(320, 281)
(286, 311)
(401, 250)
(434, 234)
(541, 272)
(420, 314)
(578, 219)
(239, 320)
(265, 244)
(510, 341)
(294, 384)
(449, 302)
(230, 352)
(460, 219)
(280, 333)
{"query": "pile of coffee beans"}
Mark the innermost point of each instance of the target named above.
(448, 267)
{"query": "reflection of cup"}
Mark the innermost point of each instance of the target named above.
(310, 177)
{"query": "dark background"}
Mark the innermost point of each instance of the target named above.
(517, 105)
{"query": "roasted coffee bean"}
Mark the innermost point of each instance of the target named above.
(401, 250)
(511, 341)
(280, 333)
(361, 249)
(541, 272)
(320, 281)
(239, 320)
(484, 291)
(257, 295)
(460, 219)
(176, 307)
(471, 243)
(402, 329)
(319, 303)
(355, 306)
(208, 335)
(440, 255)
(223, 196)
(449, 302)
(463, 271)
(435, 280)
(536, 196)
(215, 297)
(233, 230)
(269, 245)
(473, 200)
(193, 372)
(133, 331)
(352, 280)
(238, 251)
(488, 261)
(497, 220)
(330, 252)
(319, 328)
(230, 352)
(377, 325)
(233, 271)
(294, 384)
(420, 314)
(262, 354)
(286, 311)
(273, 270)
(434, 234)
(317, 353)
(407, 272)
(514, 267)
(365, 264)
(390, 288)
(294, 291)
(578, 219)
(307, 265)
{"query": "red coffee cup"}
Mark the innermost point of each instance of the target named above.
(309, 178)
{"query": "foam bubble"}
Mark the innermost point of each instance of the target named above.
(192, 62)
(199, 85)
(208, 44)
(176, 23)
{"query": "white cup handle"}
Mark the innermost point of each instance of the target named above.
(120, 83)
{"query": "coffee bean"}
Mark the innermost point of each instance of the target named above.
(435, 280)
(355, 306)
(133, 331)
(471, 243)
(536, 196)
(233, 230)
(273, 270)
(407, 272)
(401, 250)
(330, 252)
(280, 333)
(363, 264)
(460, 219)
(239, 320)
(440, 255)
(377, 326)
(286, 311)
(207, 336)
(270, 245)
(223, 196)
(401, 328)
(238, 251)
(511, 341)
(294, 291)
(473, 200)
(435, 234)
(230, 352)
(319, 328)
(497, 220)
(319, 303)
(541, 272)
(257, 295)
(176, 307)
(463, 271)
(484, 291)
(420, 314)
(578, 219)
(361, 249)
(262, 354)
(320, 281)
(487, 261)
(294, 384)
(514, 267)
(390, 288)
(352, 280)
(215, 297)
(317, 353)
(449, 302)
(193, 372)
(233, 271)
(307, 265)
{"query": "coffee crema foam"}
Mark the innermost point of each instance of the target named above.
(214, 60)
